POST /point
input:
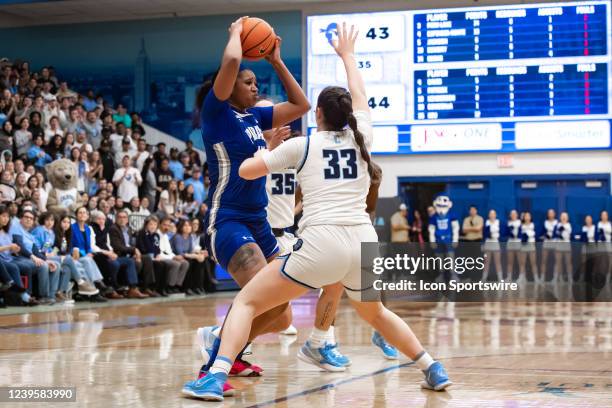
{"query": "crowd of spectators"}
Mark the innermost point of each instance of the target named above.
(138, 233)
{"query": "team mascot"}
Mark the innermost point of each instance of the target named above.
(443, 226)
(64, 198)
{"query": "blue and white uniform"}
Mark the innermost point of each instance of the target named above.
(548, 236)
(237, 207)
(514, 235)
(604, 236)
(589, 234)
(528, 237)
(491, 234)
(562, 234)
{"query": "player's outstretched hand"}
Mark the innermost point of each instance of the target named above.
(345, 43)
(275, 55)
(236, 26)
(277, 136)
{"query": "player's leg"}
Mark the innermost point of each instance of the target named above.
(399, 334)
(247, 306)
(323, 333)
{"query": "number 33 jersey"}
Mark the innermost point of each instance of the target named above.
(331, 173)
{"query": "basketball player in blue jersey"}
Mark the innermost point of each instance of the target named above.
(237, 233)
(331, 232)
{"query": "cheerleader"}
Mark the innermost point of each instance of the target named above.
(588, 237)
(491, 246)
(548, 245)
(562, 235)
(513, 248)
(604, 239)
(528, 250)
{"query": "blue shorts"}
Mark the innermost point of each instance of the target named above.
(227, 236)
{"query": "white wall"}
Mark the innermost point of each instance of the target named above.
(567, 162)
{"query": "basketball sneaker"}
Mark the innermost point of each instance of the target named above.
(322, 357)
(388, 350)
(207, 387)
(341, 358)
(436, 378)
(207, 341)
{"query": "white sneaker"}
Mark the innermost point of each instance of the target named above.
(289, 331)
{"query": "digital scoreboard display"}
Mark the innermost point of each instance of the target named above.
(502, 78)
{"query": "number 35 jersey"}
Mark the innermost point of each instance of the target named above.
(331, 173)
(280, 187)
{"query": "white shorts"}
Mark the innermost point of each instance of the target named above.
(285, 243)
(326, 254)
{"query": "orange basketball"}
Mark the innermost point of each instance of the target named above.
(257, 38)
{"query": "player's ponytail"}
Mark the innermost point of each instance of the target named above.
(346, 106)
(337, 106)
(201, 93)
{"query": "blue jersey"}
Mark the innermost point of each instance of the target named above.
(444, 227)
(230, 137)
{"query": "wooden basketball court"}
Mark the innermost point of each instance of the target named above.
(138, 354)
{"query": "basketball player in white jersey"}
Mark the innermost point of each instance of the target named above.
(333, 170)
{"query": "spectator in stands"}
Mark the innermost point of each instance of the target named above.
(53, 129)
(168, 201)
(163, 176)
(121, 241)
(193, 155)
(175, 165)
(21, 189)
(31, 258)
(81, 240)
(199, 190)
(125, 150)
(36, 125)
(50, 110)
(187, 205)
(122, 117)
(172, 260)
(35, 190)
(6, 137)
(85, 285)
(37, 154)
(160, 154)
(68, 143)
(23, 137)
(111, 262)
(127, 179)
(148, 243)
(416, 229)
(74, 123)
(137, 124)
(107, 159)
(82, 143)
(93, 129)
(182, 245)
(7, 250)
(141, 154)
(44, 238)
(89, 101)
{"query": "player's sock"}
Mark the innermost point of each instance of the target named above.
(330, 336)
(317, 338)
(221, 368)
(423, 360)
(213, 356)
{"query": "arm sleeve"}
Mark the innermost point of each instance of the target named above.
(264, 116)
(288, 154)
(364, 125)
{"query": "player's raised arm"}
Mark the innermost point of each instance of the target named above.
(230, 63)
(344, 46)
(297, 103)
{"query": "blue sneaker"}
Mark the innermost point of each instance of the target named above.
(388, 350)
(208, 388)
(338, 356)
(436, 377)
(205, 340)
(322, 357)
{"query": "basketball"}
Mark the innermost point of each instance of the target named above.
(257, 38)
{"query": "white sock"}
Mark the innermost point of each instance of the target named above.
(317, 337)
(221, 365)
(217, 331)
(81, 281)
(330, 337)
(423, 360)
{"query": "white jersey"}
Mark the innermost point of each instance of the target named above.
(332, 175)
(280, 187)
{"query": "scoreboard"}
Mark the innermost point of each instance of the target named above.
(502, 78)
